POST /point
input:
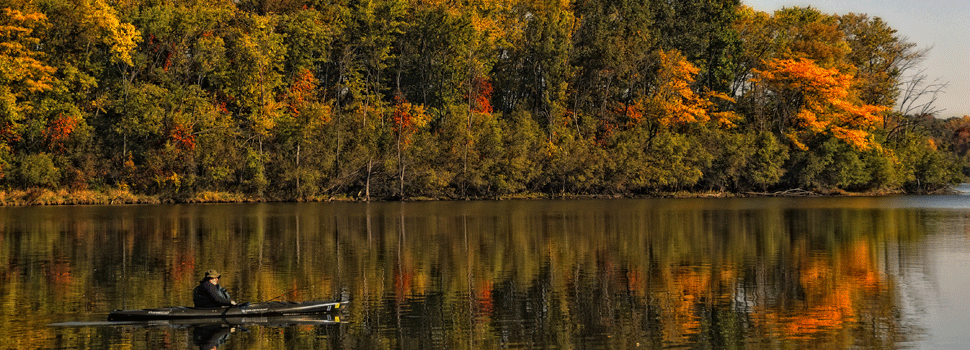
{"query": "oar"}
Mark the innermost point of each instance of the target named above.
(278, 296)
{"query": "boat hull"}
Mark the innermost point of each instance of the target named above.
(275, 308)
(320, 319)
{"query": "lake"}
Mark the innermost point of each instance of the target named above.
(871, 272)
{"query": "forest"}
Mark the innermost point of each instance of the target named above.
(292, 100)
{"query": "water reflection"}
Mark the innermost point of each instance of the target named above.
(212, 333)
(833, 272)
(210, 337)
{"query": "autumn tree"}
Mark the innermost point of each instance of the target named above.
(787, 34)
(302, 135)
(22, 76)
(671, 101)
(888, 72)
(407, 120)
(814, 100)
(807, 33)
(670, 105)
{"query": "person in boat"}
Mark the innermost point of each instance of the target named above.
(209, 293)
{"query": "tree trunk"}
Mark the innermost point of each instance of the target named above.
(298, 191)
(370, 168)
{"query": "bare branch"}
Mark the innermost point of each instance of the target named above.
(918, 95)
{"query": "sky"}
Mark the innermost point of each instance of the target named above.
(943, 25)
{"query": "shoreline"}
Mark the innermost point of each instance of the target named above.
(46, 197)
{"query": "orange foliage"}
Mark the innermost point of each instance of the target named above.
(301, 101)
(222, 108)
(304, 83)
(481, 95)
(182, 136)
(168, 61)
(673, 102)
(408, 118)
(674, 99)
(828, 104)
(60, 130)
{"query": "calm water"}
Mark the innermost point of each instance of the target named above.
(659, 273)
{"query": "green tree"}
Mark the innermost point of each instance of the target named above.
(767, 164)
(922, 167)
(519, 166)
(38, 170)
(535, 72)
(254, 86)
(304, 136)
(362, 55)
(613, 49)
(879, 55)
(704, 32)
(433, 60)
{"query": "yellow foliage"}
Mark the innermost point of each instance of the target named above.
(491, 19)
(264, 122)
(793, 138)
(121, 37)
(17, 62)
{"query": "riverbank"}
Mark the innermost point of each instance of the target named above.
(77, 197)
(116, 196)
(42, 197)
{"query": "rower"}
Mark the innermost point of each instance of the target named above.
(209, 293)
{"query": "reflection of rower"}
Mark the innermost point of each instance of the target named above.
(209, 337)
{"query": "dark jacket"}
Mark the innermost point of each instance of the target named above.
(210, 295)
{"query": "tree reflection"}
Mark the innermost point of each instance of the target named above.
(616, 274)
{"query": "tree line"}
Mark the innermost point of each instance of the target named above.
(306, 99)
